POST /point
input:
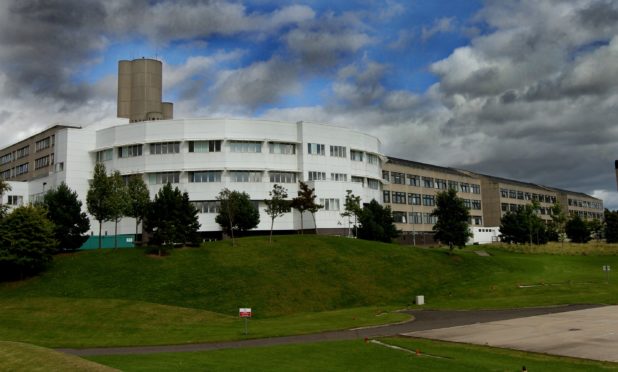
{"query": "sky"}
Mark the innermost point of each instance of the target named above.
(525, 89)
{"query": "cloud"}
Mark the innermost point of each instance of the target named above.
(440, 26)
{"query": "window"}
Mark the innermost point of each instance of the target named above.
(467, 203)
(59, 167)
(360, 180)
(282, 148)
(372, 159)
(317, 176)
(246, 146)
(399, 217)
(24, 151)
(245, 176)
(429, 200)
(414, 199)
(476, 204)
(6, 158)
(476, 189)
(385, 175)
(428, 182)
(398, 178)
(513, 207)
(415, 218)
(205, 176)
(413, 180)
(356, 155)
(163, 178)
(282, 177)
(505, 207)
(386, 195)
(330, 204)
(130, 151)
(42, 144)
(465, 187)
(165, 148)
(339, 177)
(338, 151)
(453, 185)
(21, 169)
(399, 197)
(520, 195)
(512, 194)
(373, 184)
(41, 162)
(429, 219)
(315, 149)
(504, 193)
(205, 146)
(477, 220)
(104, 155)
(15, 200)
(527, 196)
(5, 175)
(209, 206)
(440, 184)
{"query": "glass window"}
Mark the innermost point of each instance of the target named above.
(465, 187)
(205, 176)
(476, 189)
(42, 144)
(453, 185)
(207, 206)
(41, 162)
(130, 151)
(399, 217)
(205, 146)
(316, 149)
(467, 203)
(440, 184)
(282, 177)
(162, 178)
(356, 155)
(317, 176)
(520, 195)
(245, 176)
(398, 178)
(413, 180)
(476, 204)
(22, 152)
(339, 177)
(429, 200)
(7, 158)
(245, 146)
(415, 218)
(504, 193)
(512, 194)
(386, 195)
(386, 175)
(428, 182)
(372, 184)
(104, 155)
(282, 148)
(372, 159)
(399, 197)
(338, 151)
(330, 204)
(164, 148)
(414, 199)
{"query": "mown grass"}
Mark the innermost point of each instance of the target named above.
(17, 356)
(593, 247)
(354, 356)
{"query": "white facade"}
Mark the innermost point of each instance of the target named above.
(484, 235)
(245, 150)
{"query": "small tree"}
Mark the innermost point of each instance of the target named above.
(139, 200)
(119, 202)
(4, 187)
(352, 208)
(305, 201)
(523, 226)
(276, 206)
(26, 242)
(559, 218)
(98, 198)
(611, 226)
(376, 223)
(577, 230)
(452, 225)
(64, 210)
(236, 212)
(596, 228)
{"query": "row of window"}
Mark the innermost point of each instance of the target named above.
(505, 207)
(399, 178)
(44, 161)
(245, 176)
(523, 195)
(44, 143)
(585, 204)
(587, 215)
(418, 218)
(396, 197)
(341, 152)
(213, 206)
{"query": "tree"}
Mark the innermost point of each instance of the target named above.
(276, 206)
(523, 226)
(139, 200)
(119, 202)
(4, 187)
(452, 225)
(305, 202)
(98, 198)
(559, 218)
(376, 223)
(171, 219)
(26, 242)
(596, 228)
(236, 212)
(611, 226)
(352, 208)
(577, 230)
(64, 210)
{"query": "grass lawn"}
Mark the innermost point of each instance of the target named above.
(354, 356)
(16, 356)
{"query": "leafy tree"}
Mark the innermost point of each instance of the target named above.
(523, 226)
(64, 210)
(119, 202)
(305, 202)
(611, 226)
(452, 225)
(376, 223)
(559, 218)
(596, 228)
(26, 242)
(139, 200)
(277, 205)
(352, 208)
(171, 219)
(577, 230)
(99, 197)
(4, 187)
(236, 212)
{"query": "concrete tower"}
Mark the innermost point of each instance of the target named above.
(140, 91)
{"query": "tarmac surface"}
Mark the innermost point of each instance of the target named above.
(590, 333)
(423, 320)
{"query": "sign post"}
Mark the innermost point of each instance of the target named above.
(607, 269)
(245, 312)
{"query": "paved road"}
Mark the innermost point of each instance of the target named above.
(424, 320)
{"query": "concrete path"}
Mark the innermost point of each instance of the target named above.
(590, 333)
(424, 320)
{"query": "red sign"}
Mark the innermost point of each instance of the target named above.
(244, 312)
